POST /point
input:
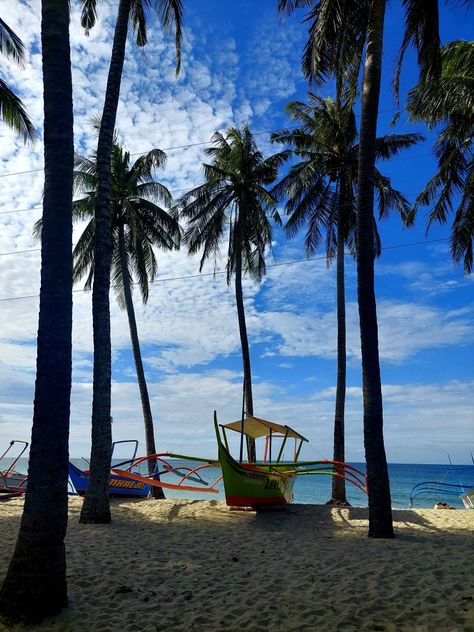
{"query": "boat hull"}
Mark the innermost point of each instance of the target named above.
(255, 485)
(11, 481)
(119, 486)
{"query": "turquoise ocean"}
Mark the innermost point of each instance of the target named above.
(317, 489)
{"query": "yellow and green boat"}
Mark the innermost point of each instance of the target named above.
(270, 482)
(252, 484)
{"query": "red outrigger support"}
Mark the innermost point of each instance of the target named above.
(149, 480)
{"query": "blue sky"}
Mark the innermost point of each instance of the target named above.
(240, 64)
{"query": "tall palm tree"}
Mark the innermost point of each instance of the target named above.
(450, 102)
(321, 192)
(12, 111)
(35, 584)
(234, 204)
(96, 507)
(138, 224)
(337, 33)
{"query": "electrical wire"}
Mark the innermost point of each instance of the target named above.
(220, 272)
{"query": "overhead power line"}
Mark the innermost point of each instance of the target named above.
(196, 144)
(32, 208)
(220, 272)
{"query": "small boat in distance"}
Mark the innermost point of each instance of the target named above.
(442, 488)
(269, 482)
(11, 481)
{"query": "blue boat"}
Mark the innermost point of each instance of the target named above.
(119, 486)
(442, 488)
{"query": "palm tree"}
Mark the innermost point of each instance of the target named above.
(12, 111)
(337, 32)
(138, 224)
(96, 507)
(234, 204)
(321, 190)
(450, 101)
(35, 584)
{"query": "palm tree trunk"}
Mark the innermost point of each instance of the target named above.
(339, 484)
(132, 323)
(96, 507)
(380, 512)
(35, 585)
(244, 342)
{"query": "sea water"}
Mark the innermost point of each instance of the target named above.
(317, 489)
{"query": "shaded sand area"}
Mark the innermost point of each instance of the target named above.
(195, 566)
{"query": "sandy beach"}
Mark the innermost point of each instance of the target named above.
(196, 566)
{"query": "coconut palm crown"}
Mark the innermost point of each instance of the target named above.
(326, 144)
(450, 103)
(137, 220)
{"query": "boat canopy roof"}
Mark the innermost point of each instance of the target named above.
(255, 427)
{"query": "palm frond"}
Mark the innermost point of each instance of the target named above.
(336, 34)
(83, 209)
(421, 32)
(13, 113)
(83, 255)
(155, 191)
(118, 271)
(10, 44)
(155, 224)
(171, 16)
(288, 6)
(138, 21)
(452, 93)
(390, 199)
(392, 144)
(88, 14)
(462, 234)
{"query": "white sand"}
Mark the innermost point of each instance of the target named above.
(195, 566)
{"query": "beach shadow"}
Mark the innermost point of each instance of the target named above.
(299, 518)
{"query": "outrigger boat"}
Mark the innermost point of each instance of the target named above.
(270, 482)
(126, 480)
(441, 488)
(118, 485)
(13, 483)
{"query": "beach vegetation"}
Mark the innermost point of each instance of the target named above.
(138, 225)
(339, 31)
(96, 507)
(234, 206)
(321, 193)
